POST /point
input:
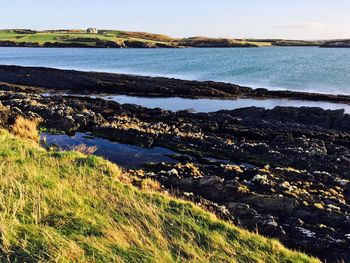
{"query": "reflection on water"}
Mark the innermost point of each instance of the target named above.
(127, 156)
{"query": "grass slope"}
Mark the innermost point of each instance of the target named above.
(67, 207)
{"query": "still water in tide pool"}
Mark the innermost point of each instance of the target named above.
(125, 155)
(212, 105)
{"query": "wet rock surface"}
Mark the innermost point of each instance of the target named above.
(282, 172)
(48, 80)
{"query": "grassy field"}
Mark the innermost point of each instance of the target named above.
(68, 207)
(80, 37)
(123, 38)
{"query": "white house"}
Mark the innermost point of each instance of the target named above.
(92, 30)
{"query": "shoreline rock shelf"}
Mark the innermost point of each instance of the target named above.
(337, 44)
(40, 79)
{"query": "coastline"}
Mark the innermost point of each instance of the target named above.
(84, 82)
(93, 37)
(281, 171)
(136, 44)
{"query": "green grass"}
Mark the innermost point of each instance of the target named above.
(8, 35)
(281, 42)
(67, 207)
(60, 37)
(118, 36)
(259, 43)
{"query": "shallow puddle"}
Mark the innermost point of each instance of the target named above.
(212, 105)
(127, 156)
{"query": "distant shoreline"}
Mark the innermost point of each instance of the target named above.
(93, 38)
(142, 45)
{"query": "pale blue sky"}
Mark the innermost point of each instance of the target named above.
(297, 19)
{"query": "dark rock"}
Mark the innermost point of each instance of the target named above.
(337, 44)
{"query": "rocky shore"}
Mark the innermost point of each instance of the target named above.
(282, 172)
(337, 44)
(97, 43)
(77, 82)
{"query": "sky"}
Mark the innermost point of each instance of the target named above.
(292, 19)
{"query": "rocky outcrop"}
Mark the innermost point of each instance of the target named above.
(90, 82)
(296, 43)
(204, 42)
(138, 44)
(337, 44)
(8, 43)
(89, 43)
(271, 201)
(70, 81)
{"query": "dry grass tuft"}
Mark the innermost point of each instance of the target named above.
(84, 149)
(26, 129)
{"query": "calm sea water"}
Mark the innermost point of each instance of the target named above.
(294, 68)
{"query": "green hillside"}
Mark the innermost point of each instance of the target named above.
(120, 39)
(104, 37)
(66, 37)
(68, 207)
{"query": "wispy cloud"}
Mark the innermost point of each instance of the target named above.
(305, 25)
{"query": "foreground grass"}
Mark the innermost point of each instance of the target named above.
(65, 207)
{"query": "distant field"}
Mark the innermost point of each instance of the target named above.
(116, 38)
(41, 38)
(260, 44)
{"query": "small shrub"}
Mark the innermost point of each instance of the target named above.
(149, 184)
(25, 128)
